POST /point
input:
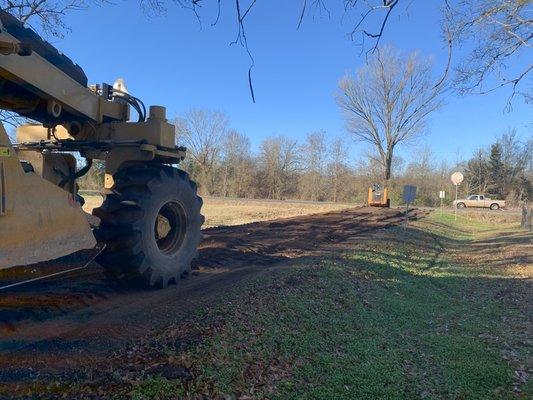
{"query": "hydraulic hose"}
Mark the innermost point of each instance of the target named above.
(78, 174)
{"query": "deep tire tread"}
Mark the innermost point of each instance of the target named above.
(122, 220)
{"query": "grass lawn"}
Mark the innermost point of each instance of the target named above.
(440, 310)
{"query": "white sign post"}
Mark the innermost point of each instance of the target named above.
(409, 195)
(442, 196)
(457, 178)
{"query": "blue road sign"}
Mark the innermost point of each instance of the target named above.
(409, 193)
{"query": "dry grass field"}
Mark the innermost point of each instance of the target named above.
(218, 211)
(486, 216)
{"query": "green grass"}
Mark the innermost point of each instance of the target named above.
(157, 387)
(396, 318)
(474, 224)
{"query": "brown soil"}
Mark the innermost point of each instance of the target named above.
(57, 325)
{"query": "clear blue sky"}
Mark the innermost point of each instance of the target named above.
(170, 60)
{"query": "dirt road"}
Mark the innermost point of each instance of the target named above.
(59, 324)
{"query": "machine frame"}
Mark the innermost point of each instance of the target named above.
(141, 188)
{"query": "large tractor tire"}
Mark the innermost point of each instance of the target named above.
(150, 222)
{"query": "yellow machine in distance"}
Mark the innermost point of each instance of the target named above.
(378, 196)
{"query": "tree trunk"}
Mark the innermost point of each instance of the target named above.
(387, 165)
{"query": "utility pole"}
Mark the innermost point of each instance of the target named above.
(442, 195)
(456, 189)
(457, 178)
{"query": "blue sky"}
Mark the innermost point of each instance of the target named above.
(171, 60)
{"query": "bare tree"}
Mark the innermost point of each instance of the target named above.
(203, 132)
(517, 155)
(388, 101)
(477, 173)
(278, 163)
(313, 154)
(502, 30)
(422, 171)
(237, 166)
(517, 161)
(337, 170)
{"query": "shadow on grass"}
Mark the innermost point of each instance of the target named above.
(374, 322)
(389, 315)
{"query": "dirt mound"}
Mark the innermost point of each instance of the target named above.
(265, 243)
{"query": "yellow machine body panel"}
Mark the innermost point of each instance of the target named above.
(378, 197)
(39, 217)
(38, 220)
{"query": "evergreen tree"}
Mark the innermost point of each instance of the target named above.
(496, 185)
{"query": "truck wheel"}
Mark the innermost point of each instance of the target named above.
(461, 205)
(494, 206)
(150, 223)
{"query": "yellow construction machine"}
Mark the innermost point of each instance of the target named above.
(150, 219)
(378, 196)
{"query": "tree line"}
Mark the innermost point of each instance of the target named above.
(503, 170)
(222, 162)
(319, 168)
(386, 104)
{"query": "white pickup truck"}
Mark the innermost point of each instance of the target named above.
(481, 201)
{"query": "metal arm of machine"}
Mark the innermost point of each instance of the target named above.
(8, 48)
(35, 87)
(48, 87)
(165, 155)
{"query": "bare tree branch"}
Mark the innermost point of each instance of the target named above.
(500, 31)
(243, 41)
(47, 15)
(388, 101)
(203, 132)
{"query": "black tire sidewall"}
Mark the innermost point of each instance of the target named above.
(128, 222)
(170, 190)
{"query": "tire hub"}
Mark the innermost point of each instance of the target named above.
(170, 228)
